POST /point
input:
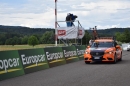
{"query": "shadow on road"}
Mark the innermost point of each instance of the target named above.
(110, 63)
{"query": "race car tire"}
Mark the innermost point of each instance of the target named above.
(87, 62)
(115, 59)
(120, 58)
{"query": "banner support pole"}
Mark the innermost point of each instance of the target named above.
(56, 23)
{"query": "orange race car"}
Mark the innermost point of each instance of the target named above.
(103, 49)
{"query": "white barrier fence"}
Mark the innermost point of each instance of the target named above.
(124, 46)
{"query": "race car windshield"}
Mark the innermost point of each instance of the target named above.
(102, 44)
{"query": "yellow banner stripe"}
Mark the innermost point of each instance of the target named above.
(10, 70)
(56, 61)
(81, 56)
(71, 58)
(34, 65)
(1, 72)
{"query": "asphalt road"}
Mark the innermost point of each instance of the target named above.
(78, 74)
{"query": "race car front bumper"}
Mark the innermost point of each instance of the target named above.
(105, 57)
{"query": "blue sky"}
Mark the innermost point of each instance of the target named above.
(40, 13)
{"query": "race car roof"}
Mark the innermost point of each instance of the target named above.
(104, 40)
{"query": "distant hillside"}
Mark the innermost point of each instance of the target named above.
(23, 30)
(110, 31)
(30, 31)
(18, 35)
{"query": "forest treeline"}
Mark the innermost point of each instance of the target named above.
(18, 35)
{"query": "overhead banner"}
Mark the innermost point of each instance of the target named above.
(80, 51)
(70, 54)
(70, 32)
(33, 60)
(10, 65)
(54, 56)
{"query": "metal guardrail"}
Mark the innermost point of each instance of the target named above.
(70, 21)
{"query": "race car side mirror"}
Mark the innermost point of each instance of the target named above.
(117, 46)
(88, 46)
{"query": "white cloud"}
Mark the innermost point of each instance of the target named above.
(40, 13)
(108, 26)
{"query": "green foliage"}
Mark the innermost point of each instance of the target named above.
(10, 41)
(38, 37)
(123, 37)
(16, 40)
(13, 35)
(13, 41)
(127, 36)
(109, 32)
(33, 41)
(24, 40)
(2, 39)
(7, 32)
(47, 38)
(86, 38)
(23, 30)
(118, 36)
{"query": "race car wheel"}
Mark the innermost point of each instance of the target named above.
(87, 62)
(120, 58)
(115, 59)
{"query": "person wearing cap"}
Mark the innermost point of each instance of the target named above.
(73, 18)
(68, 20)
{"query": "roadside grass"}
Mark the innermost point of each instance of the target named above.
(20, 47)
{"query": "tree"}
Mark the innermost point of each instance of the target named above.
(24, 40)
(119, 36)
(10, 41)
(33, 41)
(127, 36)
(17, 40)
(86, 38)
(123, 37)
(2, 39)
(47, 37)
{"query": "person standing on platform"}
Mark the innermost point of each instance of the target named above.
(73, 18)
(68, 20)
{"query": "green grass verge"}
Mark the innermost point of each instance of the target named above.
(19, 47)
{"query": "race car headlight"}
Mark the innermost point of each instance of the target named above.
(110, 52)
(87, 52)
